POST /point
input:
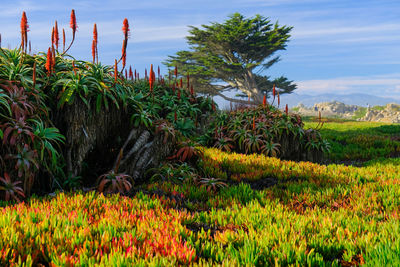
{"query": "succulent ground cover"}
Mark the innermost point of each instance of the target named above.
(329, 215)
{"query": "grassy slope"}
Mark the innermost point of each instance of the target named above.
(328, 215)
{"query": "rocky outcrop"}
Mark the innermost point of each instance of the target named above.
(389, 113)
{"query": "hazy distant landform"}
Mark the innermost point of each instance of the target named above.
(351, 99)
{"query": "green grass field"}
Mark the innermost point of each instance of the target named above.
(302, 214)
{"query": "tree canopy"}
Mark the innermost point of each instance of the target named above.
(234, 55)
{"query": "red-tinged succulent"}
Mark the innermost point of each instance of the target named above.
(167, 129)
(114, 183)
(224, 143)
(212, 184)
(186, 151)
(10, 189)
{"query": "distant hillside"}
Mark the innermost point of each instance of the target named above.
(352, 99)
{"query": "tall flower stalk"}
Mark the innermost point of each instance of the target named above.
(24, 32)
(73, 25)
(95, 54)
(56, 35)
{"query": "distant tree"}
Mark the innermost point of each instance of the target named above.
(233, 55)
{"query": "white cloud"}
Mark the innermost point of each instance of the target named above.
(383, 85)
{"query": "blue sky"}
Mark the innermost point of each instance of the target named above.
(337, 46)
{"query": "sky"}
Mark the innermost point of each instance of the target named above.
(336, 46)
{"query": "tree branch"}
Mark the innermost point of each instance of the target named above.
(235, 100)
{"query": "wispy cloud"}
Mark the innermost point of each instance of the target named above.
(384, 85)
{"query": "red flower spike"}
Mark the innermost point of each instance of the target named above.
(63, 40)
(191, 90)
(188, 81)
(130, 73)
(53, 60)
(94, 43)
(145, 74)
(48, 62)
(175, 117)
(24, 31)
(254, 123)
(151, 78)
(124, 45)
(52, 36)
(125, 28)
(94, 51)
(273, 91)
(286, 110)
(181, 84)
(176, 72)
(279, 100)
(95, 33)
(264, 100)
(179, 94)
(72, 23)
(56, 35)
(116, 71)
(135, 74)
(126, 74)
(173, 88)
(158, 72)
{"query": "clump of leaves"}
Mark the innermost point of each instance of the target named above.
(211, 184)
(114, 182)
(10, 189)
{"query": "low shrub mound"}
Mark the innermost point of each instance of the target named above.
(265, 130)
